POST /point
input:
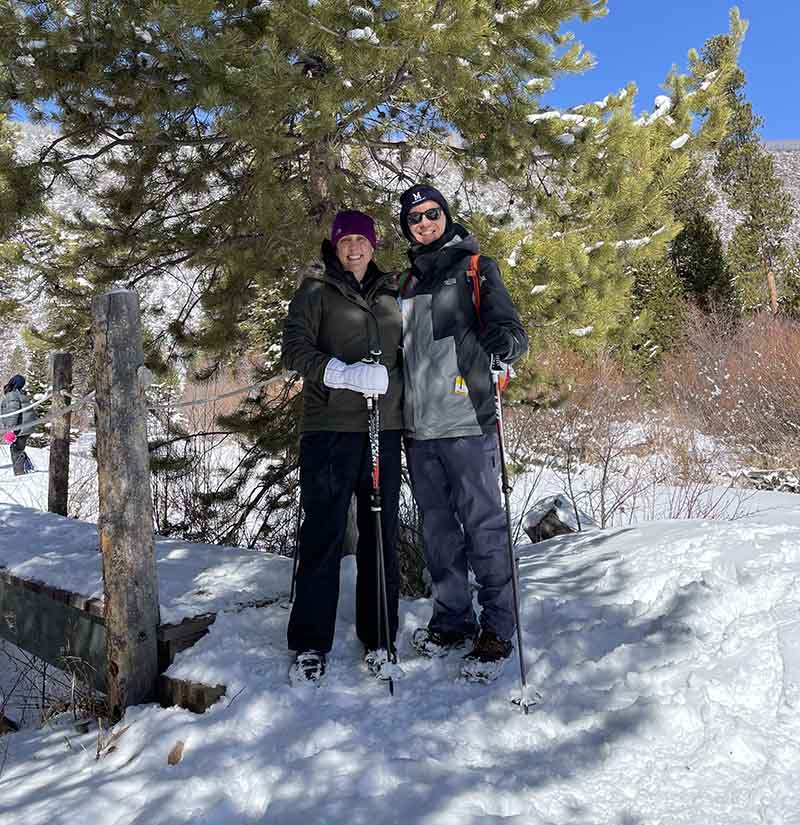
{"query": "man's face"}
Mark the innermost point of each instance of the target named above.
(426, 231)
(354, 253)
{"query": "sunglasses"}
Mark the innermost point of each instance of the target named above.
(431, 214)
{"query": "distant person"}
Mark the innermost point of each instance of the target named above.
(338, 317)
(457, 317)
(15, 401)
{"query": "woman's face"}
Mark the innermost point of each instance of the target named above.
(426, 231)
(354, 253)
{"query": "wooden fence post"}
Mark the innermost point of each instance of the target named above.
(58, 479)
(126, 516)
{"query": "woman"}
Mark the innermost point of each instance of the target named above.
(451, 334)
(14, 401)
(337, 319)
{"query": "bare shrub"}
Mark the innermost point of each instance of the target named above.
(33, 691)
(414, 577)
(617, 457)
(209, 484)
(741, 383)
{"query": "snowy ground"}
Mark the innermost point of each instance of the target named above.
(667, 653)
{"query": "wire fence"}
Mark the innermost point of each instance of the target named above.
(27, 427)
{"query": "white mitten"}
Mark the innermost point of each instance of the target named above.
(368, 379)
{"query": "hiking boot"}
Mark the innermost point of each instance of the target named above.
(308, 668)
(378, 664)
(485, 661)
(435, 643)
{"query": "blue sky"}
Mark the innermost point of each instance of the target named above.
(640, 40)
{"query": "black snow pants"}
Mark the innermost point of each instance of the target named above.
(334, 466)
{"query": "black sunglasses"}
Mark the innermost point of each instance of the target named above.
(431, 214)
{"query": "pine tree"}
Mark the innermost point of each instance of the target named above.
(746, 171)
(20, 191)
(214, 141)
(698, 259)
(608, 180)
(219, 138)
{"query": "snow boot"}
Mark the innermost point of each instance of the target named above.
(308, 668)
(378, 664)
(485, 661)
(435, 643)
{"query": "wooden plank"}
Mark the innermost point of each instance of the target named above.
(186, 627)
(43, 621)
(126, 513)
(58, 477)
(76, 600)
(190, 695)
(52, 623)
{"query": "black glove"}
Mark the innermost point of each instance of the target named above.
(498, 342)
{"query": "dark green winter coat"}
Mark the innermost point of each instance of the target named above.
(330, 316)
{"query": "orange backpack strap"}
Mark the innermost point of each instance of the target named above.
(474, 275)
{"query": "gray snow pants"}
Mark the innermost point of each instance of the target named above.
(456, 487)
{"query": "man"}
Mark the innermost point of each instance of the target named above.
(16, 415)
(450, 336)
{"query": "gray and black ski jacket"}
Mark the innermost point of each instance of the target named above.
(448, 384)
(12, 402)
(331, 316)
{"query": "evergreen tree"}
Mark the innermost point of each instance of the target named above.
(212, 142)
(608, 180)
(746, 172)
(220, 138)
(19, 189)
(698, 259)
(659, 305)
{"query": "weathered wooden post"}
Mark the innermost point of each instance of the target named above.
(126, 517)
(58, 480)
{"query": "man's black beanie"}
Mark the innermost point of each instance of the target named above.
(417, 194)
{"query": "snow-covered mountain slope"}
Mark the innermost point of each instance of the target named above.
(786, 155)
(667, 654)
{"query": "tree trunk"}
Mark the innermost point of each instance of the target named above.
(773, 292)
(126, 515)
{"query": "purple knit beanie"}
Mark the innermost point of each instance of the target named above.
(353, 222)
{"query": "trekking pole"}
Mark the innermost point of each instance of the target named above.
(525, 701)
(295, 552)
(374, 445)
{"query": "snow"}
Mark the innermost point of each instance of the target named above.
(193, 578)
(667, 654)
(680, 142)
(662, 104)
(581, 332)
(535, 118)
(708, 80)
(361, 12)
(363, 34)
